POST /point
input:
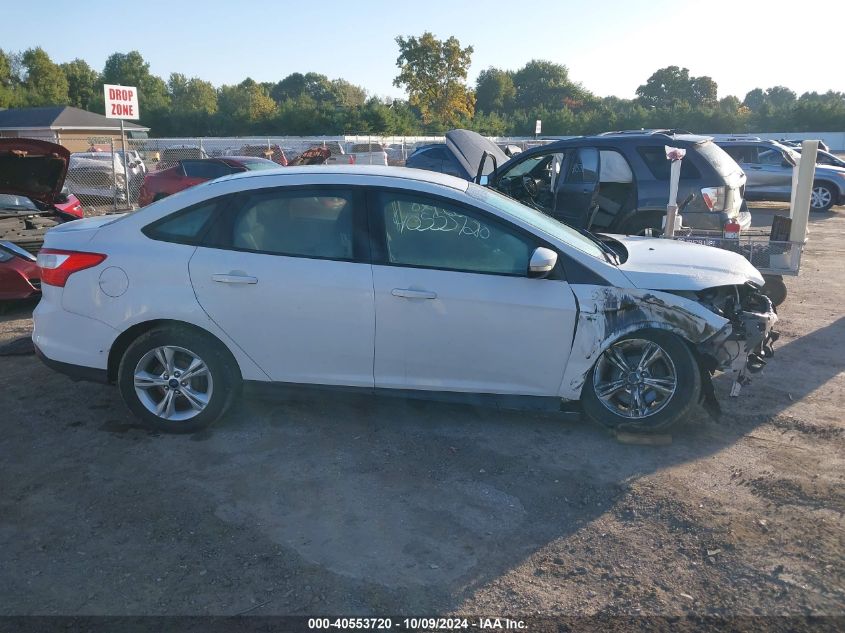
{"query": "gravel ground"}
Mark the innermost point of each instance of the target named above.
(354, 505)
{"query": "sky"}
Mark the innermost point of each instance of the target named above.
(610, 46)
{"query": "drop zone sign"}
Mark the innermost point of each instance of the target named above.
(121, 102)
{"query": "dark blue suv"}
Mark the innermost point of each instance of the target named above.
(616, 182)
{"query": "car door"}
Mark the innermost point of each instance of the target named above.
(455, 308)
(531, 178)
(576, 193)
(284, 273)
(774, 172)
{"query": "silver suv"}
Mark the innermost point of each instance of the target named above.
(768, 167)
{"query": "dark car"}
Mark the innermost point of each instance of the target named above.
(187, 173)
(459, 156)
(616, 182)
(32, 173)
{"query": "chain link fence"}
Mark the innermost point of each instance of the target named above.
(110, 174)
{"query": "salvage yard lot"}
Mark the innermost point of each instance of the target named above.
(353, 505)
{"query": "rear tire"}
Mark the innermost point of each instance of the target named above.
(177, 379)
(823, 197)
(657, 365)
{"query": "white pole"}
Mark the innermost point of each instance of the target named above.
(675, 155)
(802, 190)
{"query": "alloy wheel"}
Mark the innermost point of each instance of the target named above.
(821, 198)
(173, 383)
(635, 378)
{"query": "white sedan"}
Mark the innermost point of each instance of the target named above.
(389, 280)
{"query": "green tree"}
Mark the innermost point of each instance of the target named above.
(754, 99)
(296, 85)
(494, 91)
(243, 107)
(672, 86)
(7, 81)
(780, 96)
(130, 69)
(191, 95)
(347, 94)
(434, 73)
(83, 82)
(44, 82)
(545, 85)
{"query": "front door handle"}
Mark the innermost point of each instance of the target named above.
(234, 279)
(413, 294)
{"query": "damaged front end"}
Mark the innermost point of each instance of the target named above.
(729, 327)
(745, 343)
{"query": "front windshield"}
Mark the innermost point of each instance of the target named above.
(11, 202)
(538, 220)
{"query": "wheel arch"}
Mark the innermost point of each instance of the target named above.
(609, 314)
(125, 339)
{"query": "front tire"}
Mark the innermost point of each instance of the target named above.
(823, 196)
(644, 382)
(177, 380)
(774, 289)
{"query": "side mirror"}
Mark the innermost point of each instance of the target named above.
(542, 262)
(484, 180)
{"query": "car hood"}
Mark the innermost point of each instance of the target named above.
(32, 168)
(468, 147)
(664, 264)
(829, 170)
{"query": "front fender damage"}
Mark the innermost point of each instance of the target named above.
(606, 314)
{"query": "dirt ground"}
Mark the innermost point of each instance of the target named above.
(354, 505)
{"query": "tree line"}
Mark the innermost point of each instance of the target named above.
(433, 72)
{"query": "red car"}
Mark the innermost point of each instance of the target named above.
(32, 173)
(190, 172)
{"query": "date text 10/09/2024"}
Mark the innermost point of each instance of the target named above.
(415, 624)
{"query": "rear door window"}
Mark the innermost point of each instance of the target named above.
(316, 223)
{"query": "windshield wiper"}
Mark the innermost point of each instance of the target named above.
(610, 255)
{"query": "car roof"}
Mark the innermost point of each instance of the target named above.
(366, 171)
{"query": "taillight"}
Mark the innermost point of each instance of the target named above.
(56, 265)
(714, 198)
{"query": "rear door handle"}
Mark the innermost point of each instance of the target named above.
(413, 294)
(234, 279)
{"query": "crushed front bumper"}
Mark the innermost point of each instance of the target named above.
(744, 345)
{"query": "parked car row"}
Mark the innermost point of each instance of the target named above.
(768, 165)
(279, 276)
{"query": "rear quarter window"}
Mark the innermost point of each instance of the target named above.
(657, 163)
(183, 227)
(718, 158)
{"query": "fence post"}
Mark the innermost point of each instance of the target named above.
(113, 173)
(125, 164)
